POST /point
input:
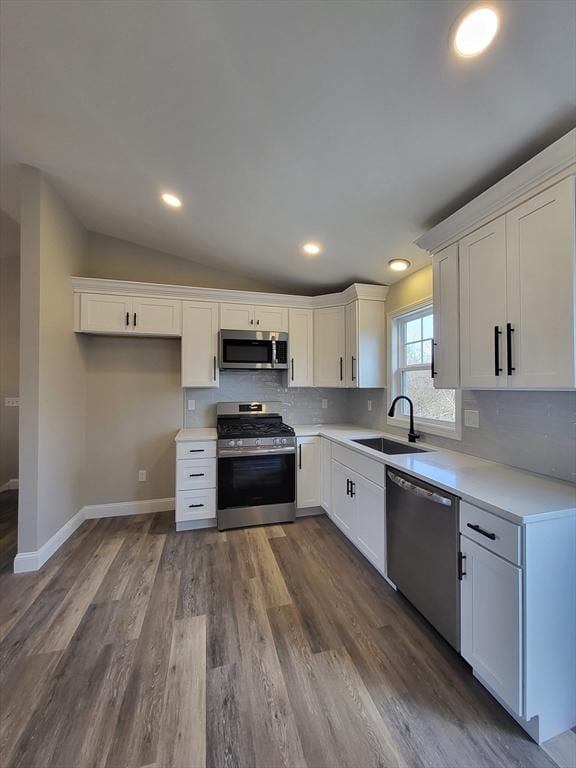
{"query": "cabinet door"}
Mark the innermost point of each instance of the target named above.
(446, 352)
(342, 504)
(308, 475)
(351, 366)
(325, 474)
(483, 306)
(329, 346)
(540, 259)
(271, 318)
(199, 344)
(100, 313)
(370, 529)
(491, 621)
(157, 317)
(301, 341)
(237, 317)
(370, 365)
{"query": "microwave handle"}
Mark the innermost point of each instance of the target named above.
(274, 360)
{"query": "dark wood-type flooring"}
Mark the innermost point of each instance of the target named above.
(279, 646)
(8, 529)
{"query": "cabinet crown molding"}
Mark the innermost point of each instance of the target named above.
(185, 292)
(543, 170)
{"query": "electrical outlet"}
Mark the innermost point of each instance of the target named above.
(142, 476)
(324, 403)
(191, 405)
(11, 402)
(471, 419)
(369, 405)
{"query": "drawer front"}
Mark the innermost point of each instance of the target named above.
(365, 466)
(195, 505)
(196, 450)
(195, 473)
(492, 532)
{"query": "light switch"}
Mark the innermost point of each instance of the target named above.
(191, 405)
(369, 405)
(471, 418)
(142, 476)
(11, 402)
(324, 403)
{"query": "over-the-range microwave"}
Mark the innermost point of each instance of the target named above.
(254, 349)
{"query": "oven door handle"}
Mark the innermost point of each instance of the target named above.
(225, 453)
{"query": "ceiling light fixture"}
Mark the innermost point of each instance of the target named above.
(312, 249)
(475, 29)
(172, 200)
(399, 265)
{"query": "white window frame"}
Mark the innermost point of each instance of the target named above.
(426, 426)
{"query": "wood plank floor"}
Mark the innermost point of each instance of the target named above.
(138, 646)
(8, 529)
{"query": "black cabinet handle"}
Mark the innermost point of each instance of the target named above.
(299, 457)
(198, 474)
(341, 371)
(196, 450)
(497, 334)
(127, 318)
(481, 531)
(134, 319)
(251, 322)
(292, 364)
(352, 489)
(509, 331)
(191, 506)
(214, 367)
(461, 564)
(347, 487)
(433, 371)
(257, 322)
(352, 372)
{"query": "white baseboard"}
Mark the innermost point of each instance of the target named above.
(32, 561)
(11, 485)
(123, 508)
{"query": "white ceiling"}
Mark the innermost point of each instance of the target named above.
(277, 121)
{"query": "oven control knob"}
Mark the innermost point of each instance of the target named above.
(258, 441)
(239, 443)
(231, 443)
(284, 441)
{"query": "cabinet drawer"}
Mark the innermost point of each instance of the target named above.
(195, 505)
(492, 532)
(196, 450)
(369, 468)
(195, 473)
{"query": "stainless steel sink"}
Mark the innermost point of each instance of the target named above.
(388, 446)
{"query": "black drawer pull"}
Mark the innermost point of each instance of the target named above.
(195, 505)
(198, 474)
(481, 531)
(196, 450)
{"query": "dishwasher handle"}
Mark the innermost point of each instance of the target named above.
(419, 491)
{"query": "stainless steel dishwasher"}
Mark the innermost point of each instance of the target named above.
(423, 543)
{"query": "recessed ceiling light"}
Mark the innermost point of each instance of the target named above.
(172, 200)
(475, 30)
(399, 265)
(312, 249)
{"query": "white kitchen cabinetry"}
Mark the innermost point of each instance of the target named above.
(308, 472)
(325, 474)
(365, 364)
(156, 317)
(446, 350)
(342, 506)
(483, 306)
(248, 317)
(491, 618)
(540, 289)
(329, 346)
(195, 484)
(199, 344)
(301, 342)
(134, 315)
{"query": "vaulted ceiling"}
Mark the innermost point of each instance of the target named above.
(276, 121)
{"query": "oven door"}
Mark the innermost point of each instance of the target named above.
(255, 481)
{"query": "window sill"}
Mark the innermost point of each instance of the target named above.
(401, 422)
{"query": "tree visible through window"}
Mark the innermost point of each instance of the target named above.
(413, 373)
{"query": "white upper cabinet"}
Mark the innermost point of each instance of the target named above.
(540, 280)
(247, 317)
(483, 306)
(446, 343)
(301, 342)
(101, 313)
(365, 344)
(329, 346)
(157, 317)
(351, 366)
(308, 473)
(199, 344)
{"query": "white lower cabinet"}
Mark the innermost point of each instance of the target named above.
(491, 621)
(358, 508)
(308, 472)
(195, 484)
(325, 474)
(196, 505)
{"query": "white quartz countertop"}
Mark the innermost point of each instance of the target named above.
(522, 497)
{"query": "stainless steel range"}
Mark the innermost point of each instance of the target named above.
(256, 465)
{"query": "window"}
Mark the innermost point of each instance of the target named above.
(435, 410)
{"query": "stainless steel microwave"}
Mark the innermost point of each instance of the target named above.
(254, 349)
